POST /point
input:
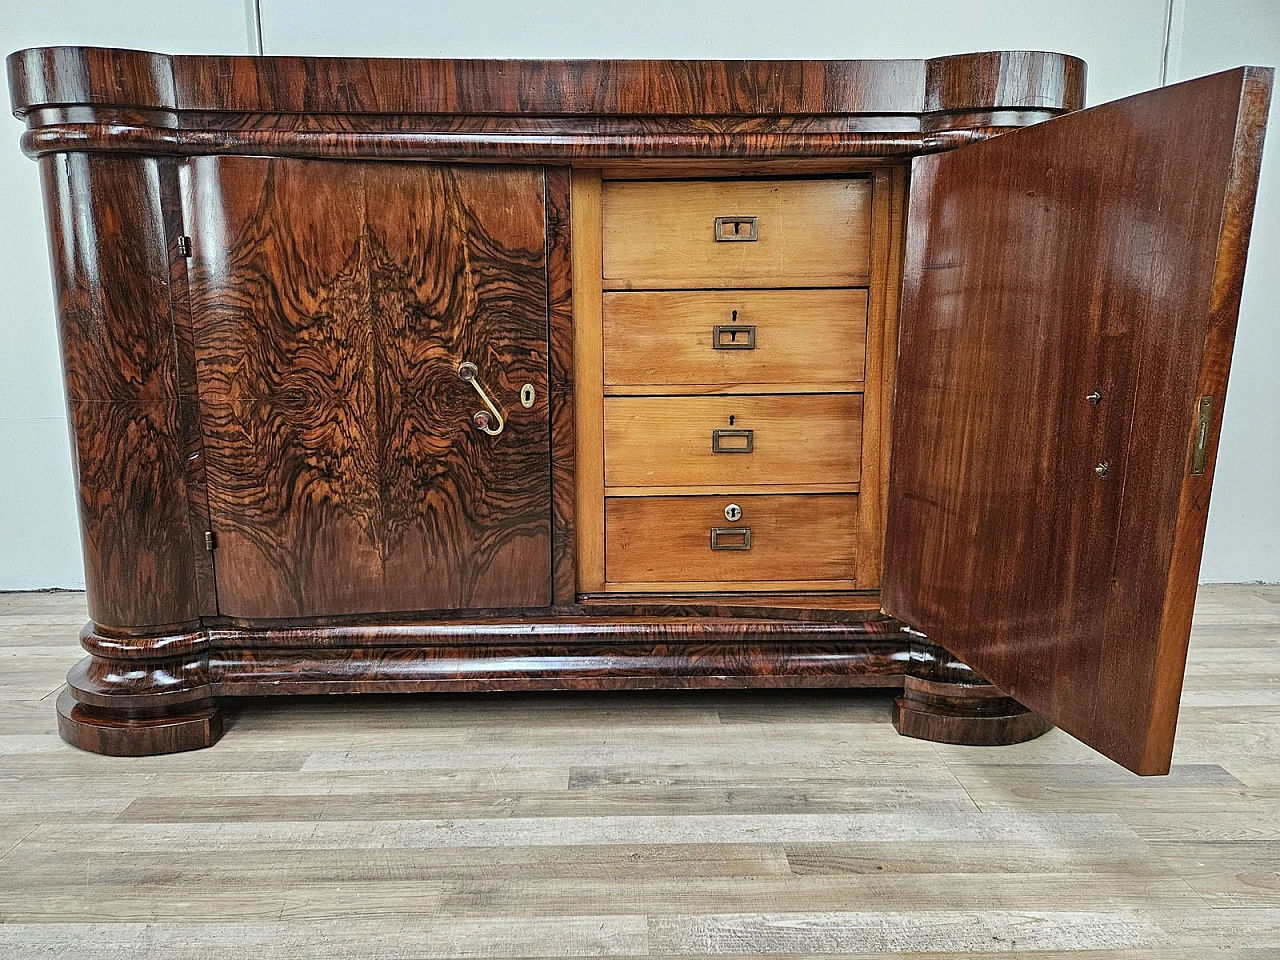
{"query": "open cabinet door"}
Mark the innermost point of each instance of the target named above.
(1069, 304)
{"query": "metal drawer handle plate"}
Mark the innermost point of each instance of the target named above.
(730, 538)
(490, 421)
(741, 229)
(733, 441)
(733, 336)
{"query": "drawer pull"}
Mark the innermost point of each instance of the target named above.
(730, 538)
(732, 441)
(737, 229)
(733, 336)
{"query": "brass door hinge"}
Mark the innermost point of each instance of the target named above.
(209, 543)
(1200, 443)
(184, 246)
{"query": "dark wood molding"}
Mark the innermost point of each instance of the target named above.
(510, 140)
(88, 99)
(1003, 80)
(159, 693)
(41, 76)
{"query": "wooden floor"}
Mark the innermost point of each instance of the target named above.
(639, 825)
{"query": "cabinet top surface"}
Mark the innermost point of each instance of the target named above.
(1011, 80)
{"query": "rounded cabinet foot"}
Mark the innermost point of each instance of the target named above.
(944, 701)
(138, 694)
(100, 730)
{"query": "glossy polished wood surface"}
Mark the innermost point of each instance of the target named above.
(110, 254)
(560, 302)
(982, 81)
(96, 99)
(147, 695)
(332, 307)
(945, 701)
(1097, 252)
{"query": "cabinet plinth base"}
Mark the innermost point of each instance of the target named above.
(140, 695)
(102, 731)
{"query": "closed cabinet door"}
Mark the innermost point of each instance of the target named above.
(371, 356)
(1068, 312)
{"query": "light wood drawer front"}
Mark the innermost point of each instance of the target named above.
(797, 537)
(808, 233)
(702, 337)
(668, 441)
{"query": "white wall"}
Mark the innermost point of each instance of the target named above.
(1122, 40)
(1123, 58)
(1243, 540)
(39, 534)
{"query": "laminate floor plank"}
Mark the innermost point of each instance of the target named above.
(309, 867)
(985, 931)
(543, 898)
(460, 804)
(350, 936)
(1014, 828)
(651, 824)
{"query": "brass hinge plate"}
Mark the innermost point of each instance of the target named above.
(1200, 447)
(184, 246)
(209, 542)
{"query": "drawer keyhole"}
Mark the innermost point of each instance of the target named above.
(733, 336)
(741, 229)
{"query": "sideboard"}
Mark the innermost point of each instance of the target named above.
(393, 375)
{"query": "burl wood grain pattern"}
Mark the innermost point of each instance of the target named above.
(111, 272)
(188, 390)
(1100, 251)
(560, 282)
(332, 304)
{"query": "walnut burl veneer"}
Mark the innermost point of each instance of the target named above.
(393, 375)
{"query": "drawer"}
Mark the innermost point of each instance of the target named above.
(787, 538)
(771, 233)
(704, 337)
(732, 441)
